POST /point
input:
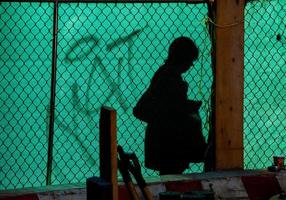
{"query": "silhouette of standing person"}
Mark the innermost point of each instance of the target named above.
(173, 135)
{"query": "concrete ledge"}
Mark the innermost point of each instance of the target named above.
(247, 184)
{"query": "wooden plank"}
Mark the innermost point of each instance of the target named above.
(229, 84)
(108, 148)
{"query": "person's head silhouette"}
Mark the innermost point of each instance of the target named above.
(182, 53)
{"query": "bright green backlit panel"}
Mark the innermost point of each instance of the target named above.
(25, 61)
(265, 82)
(107, 54)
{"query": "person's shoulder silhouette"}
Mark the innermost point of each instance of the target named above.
(166, 108)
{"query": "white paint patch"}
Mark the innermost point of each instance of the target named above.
(156, 189)
(281, 177)
(73, 194)
(226, 188)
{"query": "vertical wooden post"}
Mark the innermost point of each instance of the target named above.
(229, 84)
(108, 148)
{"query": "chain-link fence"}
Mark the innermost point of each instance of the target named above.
(25, 62)
(265, 82)
(107, 54)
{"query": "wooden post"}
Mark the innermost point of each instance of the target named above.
(229, 32)
(108, 148)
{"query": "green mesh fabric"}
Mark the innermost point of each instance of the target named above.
(107, 54)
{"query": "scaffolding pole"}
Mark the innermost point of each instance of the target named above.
(53, 96)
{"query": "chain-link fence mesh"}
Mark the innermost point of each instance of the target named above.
(265, 82)
(25, 61)
(107, 54)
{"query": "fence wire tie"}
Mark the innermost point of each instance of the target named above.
(209, 20)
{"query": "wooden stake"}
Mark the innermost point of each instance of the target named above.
(108, 148)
